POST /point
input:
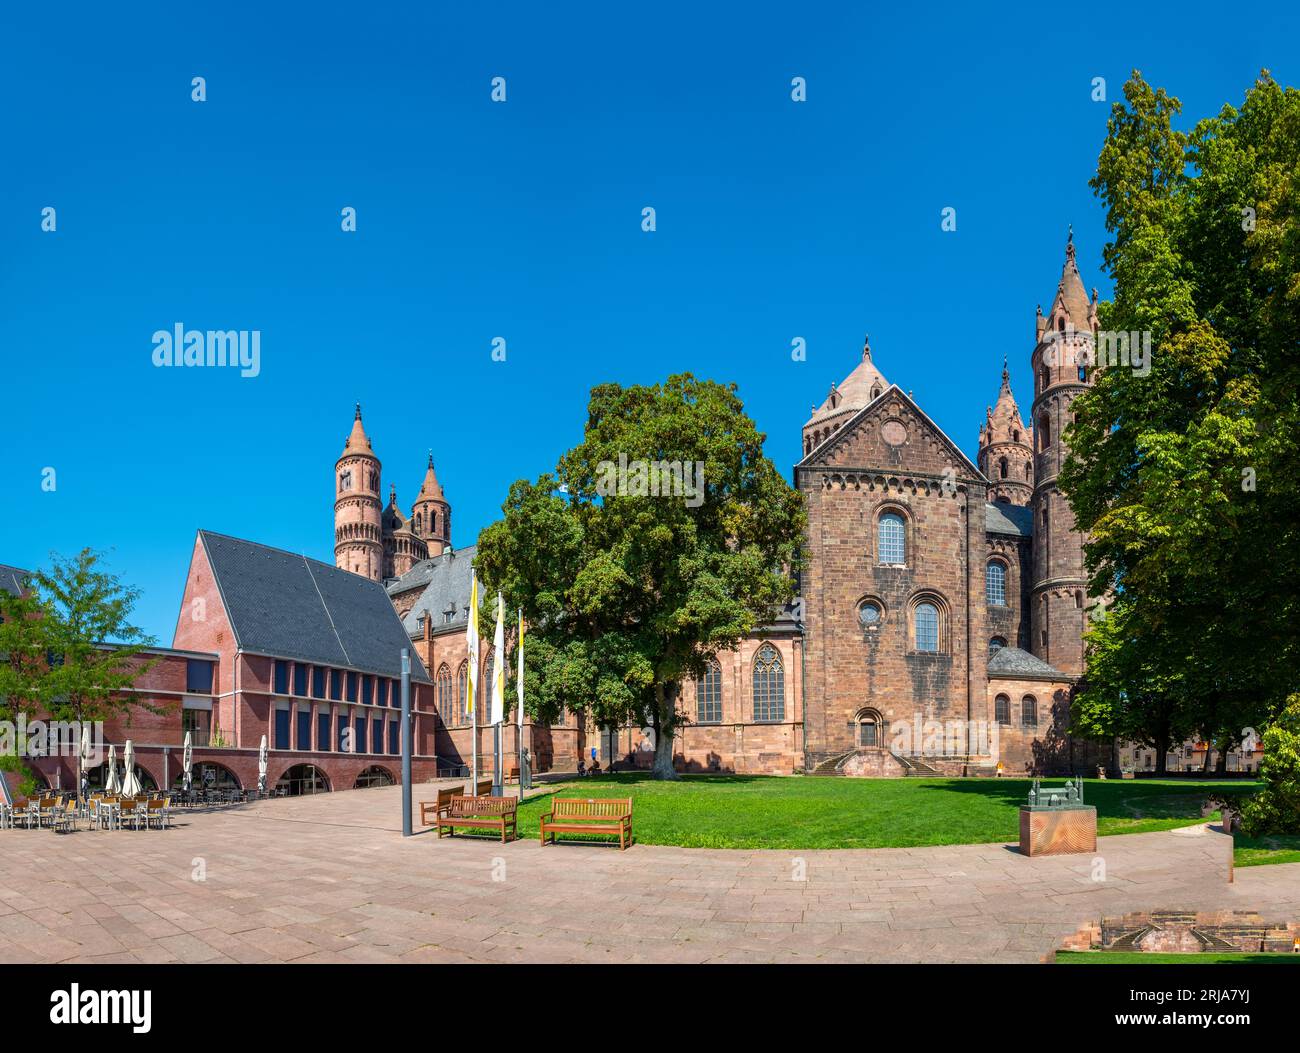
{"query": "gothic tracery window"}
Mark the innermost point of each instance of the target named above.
(769, 685)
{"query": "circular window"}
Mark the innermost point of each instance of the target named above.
(869, 614)
(893, 432)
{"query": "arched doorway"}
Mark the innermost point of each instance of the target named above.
(98, 775)
(870, 730)
(302, 780)
(208, 775)
(374, 776)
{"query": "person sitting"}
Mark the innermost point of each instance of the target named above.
(582, 768)
(595, 767)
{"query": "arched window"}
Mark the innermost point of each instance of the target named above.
(345, 480)
(1029, 711)
(892, 547)
(462, 693)
(1044, 432)
(869, 728)
(769, 685)
(708, 695)
(995, 583)
(1015, 434)
(1002, 709)
(1002, 467)
(926, 620)
(875, 392)
(489, 667)
(419, 522)
(445, 697)
(996, 644)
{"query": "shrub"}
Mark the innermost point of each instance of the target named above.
(1276, 808)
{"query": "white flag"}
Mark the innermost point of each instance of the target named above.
(499, 664)
(471, 647)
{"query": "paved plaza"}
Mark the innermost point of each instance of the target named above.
(330, 879)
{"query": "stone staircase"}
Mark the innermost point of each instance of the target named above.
(916, 768)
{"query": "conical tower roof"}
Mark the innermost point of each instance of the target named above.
(358, 443)
(1004, 423)
(430, 490)
(855, 392)
(1071, 296)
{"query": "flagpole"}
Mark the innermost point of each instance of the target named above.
(471, 634)
(519, 713)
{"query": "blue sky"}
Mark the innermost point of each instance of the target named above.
(522, 220)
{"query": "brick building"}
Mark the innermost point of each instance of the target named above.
(937, 591)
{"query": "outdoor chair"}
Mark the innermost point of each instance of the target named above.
(155, 812)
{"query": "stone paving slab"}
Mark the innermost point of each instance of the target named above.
(330, 879)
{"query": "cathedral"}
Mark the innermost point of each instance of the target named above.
(941, 609)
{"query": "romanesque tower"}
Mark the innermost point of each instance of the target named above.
(1005, 456)
(431, 516)
(358, 526)
(1065, 344)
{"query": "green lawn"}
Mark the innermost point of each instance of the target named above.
(1256, 851)
(743, 811)
(1138, 958)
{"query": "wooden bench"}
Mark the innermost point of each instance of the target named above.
(578, 815)
(436, 808)
(487, 813)
(483, 787)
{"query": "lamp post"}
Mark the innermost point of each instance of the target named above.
(406, 742)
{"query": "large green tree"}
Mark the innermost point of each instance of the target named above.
(1184, 478)
(628, 592)
(70, 645)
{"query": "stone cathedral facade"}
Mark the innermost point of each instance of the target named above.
(939, 593)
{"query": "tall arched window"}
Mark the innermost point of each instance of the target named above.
(769, 685)
(926, 618)
(489, 667)
(446, 705)
(1029, 711)
(462, 692)
(892, 547)
(1002, 467)
(1044, 432)
(708, 695)
(345, 480)
(995, 583)
(1002, 709)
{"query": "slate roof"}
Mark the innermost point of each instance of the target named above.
(1002, 518)
(447, 578)
(11, 579)
(1013, 662)
(289, 606)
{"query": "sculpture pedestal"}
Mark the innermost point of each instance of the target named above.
(1058, 831)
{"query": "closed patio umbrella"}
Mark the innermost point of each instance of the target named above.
(130, 784)
(83, 756)
(111, 785)
(5, 794)
(187, 763)
(262, 761)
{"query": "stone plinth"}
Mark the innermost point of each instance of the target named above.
(1058, 831)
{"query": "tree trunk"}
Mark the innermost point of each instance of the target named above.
(665, 702)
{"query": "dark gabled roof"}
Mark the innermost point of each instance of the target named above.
(1013, 662)
(447, 589)
(1003, 518)
(12, 578)
(290, 606)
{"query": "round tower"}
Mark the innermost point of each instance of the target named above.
(431, 514)
(1064, 349)
(358, 530)
(1005, 455)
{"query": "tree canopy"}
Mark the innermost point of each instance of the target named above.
(661, 539)
(1184, 478)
